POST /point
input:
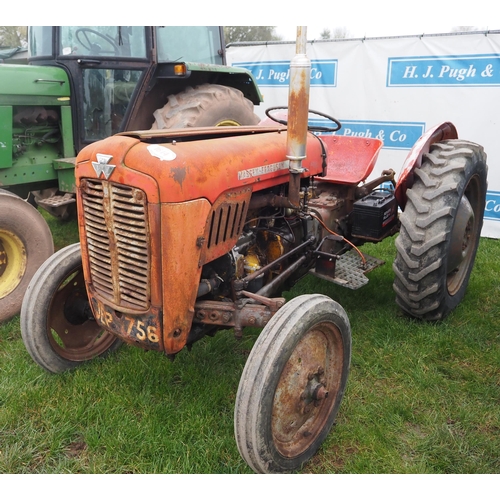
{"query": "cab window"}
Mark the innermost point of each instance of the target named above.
(40, 41)
(103, 41)
(200, 44)
(106, 96)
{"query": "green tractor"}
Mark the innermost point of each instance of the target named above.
(83, 84)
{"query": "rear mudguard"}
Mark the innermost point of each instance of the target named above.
(438, 133)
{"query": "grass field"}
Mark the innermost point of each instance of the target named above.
(421, 398)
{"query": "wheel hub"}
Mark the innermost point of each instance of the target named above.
(12, 262)
(314, 392)
(301, 402)
(461, 235)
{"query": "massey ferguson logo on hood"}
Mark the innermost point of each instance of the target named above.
(101, 166)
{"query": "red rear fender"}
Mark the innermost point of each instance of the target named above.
(438, 133)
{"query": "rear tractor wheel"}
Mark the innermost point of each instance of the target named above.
(292, 384)
(206, 106)
(25, 243)
(440, 230)
(57, 325)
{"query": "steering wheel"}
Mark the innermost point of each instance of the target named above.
(94, 48)
(313, 128)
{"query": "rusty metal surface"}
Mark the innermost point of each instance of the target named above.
(348, 270)
(208, 168)
(350, 159)
(117, 235)
(298, 108)
(75, 339)
(182, 226)
(225, 223)
(142, 330)
(229, 314)
(331, 203)
(202, 132)
(307, 389)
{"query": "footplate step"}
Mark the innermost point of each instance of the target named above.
(350, 270)
(57, 200)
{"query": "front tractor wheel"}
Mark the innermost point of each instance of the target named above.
(57, 325)
(292, 384)
(25, 243)
(440, 230)
(206, 106)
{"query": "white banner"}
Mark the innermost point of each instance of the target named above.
(396, 89)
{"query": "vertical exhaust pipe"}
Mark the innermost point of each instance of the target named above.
(298, 107)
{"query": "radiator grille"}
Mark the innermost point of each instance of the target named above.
(226, 222)
(116, 226)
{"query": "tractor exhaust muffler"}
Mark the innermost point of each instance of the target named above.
(298, 111)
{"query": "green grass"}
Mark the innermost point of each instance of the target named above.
(421, 398)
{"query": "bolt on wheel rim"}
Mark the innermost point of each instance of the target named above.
(307, 390)
(463, 236)
(228, 123)
(74, 339)
(12, 262)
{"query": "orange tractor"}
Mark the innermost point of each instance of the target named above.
(186, 232)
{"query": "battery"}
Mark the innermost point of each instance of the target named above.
(374, 215)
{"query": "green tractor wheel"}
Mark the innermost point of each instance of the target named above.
(25, 243)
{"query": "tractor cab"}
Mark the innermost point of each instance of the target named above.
(119, 75)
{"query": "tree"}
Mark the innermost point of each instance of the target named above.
(250, 34)
(338, 32)
(13, 36)
(463, 29)
(326, 34)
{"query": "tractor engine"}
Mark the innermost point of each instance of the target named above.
(34, 127)
(178, 227)
(268, 235)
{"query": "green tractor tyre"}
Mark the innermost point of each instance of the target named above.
(25, 243)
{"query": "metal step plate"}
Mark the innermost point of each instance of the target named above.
(57, 200)
(350, 271)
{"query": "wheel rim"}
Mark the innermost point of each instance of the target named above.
(464, 236)
(227, 123)
(72, 334)
(307, 390)
(12, 262)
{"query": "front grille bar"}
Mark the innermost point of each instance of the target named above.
(117, 231)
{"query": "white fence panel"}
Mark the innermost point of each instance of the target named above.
(395, 89)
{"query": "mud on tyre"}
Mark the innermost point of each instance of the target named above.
(292, 384)
(207, 105)
(440, 230)
(57, 325)
(25, 243)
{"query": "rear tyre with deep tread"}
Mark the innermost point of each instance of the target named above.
(207, 105)
(440, 230)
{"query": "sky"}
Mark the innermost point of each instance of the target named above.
(370, 18)
(375, 18)
(359, 31)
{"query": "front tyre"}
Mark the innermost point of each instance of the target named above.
(292, 384)
(57, 325)
(440, 230)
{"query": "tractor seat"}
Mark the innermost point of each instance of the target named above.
(350, 159)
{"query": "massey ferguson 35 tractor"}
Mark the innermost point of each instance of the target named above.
(186, 232)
